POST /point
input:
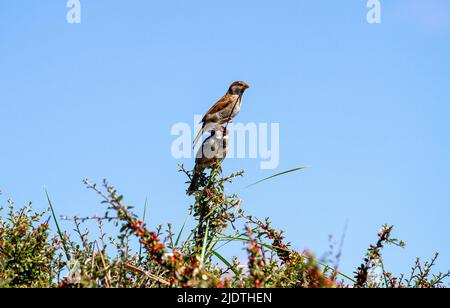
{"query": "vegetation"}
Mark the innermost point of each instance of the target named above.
(32, 256)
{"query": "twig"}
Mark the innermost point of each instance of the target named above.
(149, 275)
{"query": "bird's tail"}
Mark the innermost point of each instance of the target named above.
(194, 183)
(199, 135)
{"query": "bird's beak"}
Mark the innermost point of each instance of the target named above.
(246, 86)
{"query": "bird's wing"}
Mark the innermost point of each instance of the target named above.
(221, 104)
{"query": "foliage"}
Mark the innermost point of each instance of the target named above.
(30, 257)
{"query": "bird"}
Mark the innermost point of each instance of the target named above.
(213, 149)
(224, 110)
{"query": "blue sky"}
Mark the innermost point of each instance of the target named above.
(365, 106)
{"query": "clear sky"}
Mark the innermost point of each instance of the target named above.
(366, 106)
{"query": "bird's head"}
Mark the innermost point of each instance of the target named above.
(238, 88)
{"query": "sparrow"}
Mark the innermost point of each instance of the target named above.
(213, 149)
(224, 110)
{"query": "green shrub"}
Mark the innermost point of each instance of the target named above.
(30, 257)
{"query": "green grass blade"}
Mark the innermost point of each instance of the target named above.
(202, 256)
(57, 226)
(182, 228)
(143, 219)
(145, 209)
(225, 261)
(231, 239)
(274, 176)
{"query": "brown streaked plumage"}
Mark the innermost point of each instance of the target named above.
(224, 110)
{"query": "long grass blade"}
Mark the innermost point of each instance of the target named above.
(143, 219)
(205, 239)
(57, 226)
(181, 230)
(225, 261)
(274, 176)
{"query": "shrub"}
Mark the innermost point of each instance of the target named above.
(30, 257)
